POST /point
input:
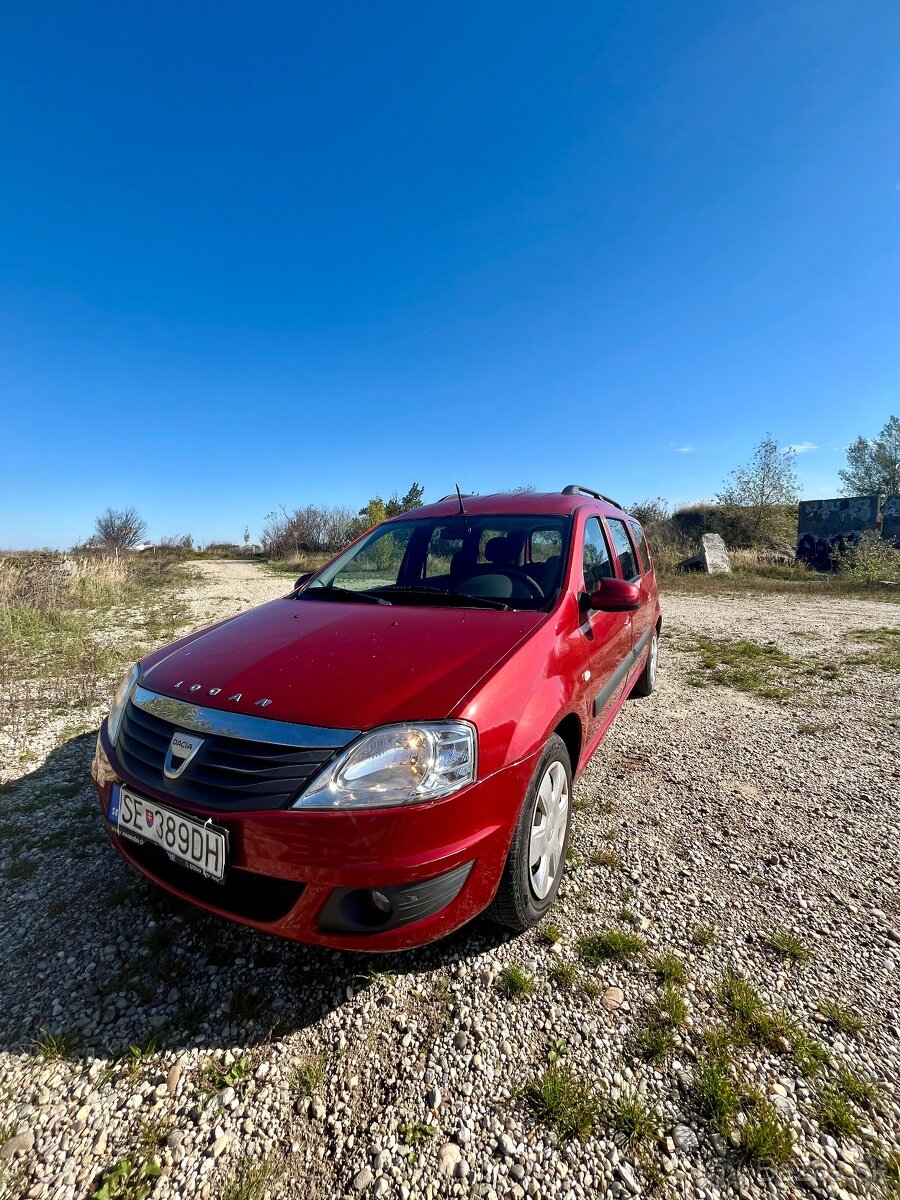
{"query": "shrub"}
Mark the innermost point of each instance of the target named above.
(869, 561)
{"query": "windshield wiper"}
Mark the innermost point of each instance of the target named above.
(339, 593)
(453, 598)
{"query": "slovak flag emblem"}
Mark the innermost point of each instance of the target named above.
(149, 817)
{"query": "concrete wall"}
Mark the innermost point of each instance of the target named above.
(890, 529)
(824, 526)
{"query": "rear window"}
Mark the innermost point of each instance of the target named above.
(641, 543)
(624, 548)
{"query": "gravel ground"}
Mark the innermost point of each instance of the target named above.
(184, 1041)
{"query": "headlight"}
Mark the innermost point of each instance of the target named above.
(399, 764)
(119, 700)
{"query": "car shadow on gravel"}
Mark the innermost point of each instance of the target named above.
(97, 962)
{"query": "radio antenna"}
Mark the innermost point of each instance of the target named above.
(462, 511)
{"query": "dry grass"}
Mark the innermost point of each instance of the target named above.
(54, 654)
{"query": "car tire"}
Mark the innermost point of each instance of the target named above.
(645, 684)
(527, 889)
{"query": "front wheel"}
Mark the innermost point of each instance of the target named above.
(537, 853)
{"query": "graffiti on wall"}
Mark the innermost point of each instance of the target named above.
(826, 527)
(890, 520)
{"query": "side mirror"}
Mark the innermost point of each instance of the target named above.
(615, 595)
(301, 579)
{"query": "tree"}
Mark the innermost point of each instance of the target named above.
(118, 529)
(768, 480)
(873, 467)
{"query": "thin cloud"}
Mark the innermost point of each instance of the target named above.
(684, 449)
(801, 447)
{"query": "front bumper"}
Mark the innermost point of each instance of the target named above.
(305, 875)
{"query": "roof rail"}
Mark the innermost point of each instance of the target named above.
(454, 496)
(576, 489)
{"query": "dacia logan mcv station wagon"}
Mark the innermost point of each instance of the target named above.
(389, 750)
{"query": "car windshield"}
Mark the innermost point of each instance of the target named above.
(472, 561)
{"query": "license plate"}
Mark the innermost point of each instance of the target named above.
(201, 847)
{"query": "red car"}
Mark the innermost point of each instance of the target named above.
(389, 750)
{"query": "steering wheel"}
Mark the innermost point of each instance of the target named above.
(536, 592)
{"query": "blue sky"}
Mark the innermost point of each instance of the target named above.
(264, 254)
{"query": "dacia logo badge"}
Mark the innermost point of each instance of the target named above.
(182, 749)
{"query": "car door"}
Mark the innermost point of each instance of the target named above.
(607, 635)
(631, 566)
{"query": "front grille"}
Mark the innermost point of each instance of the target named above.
(243, 893)
(226, 774)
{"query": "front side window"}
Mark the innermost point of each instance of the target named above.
(641, 543)
(470, 560)
(624, 549)
(597, 562)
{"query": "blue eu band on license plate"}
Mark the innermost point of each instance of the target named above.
(115, 799)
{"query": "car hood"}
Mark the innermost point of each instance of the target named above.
(340, 665)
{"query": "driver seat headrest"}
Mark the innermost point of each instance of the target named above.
(500, 550)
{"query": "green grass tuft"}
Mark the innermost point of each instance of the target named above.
(52, 1046)
(669, 968)
(787, 945)
(549, 934)
(564, 975)
(308, 1075)
(630, 1117)
(765, 1140)
(595, 948)
(839, 1016)
(606, 858)
(716, 1091)
(514, 983)
(835, 1115)
(703, 935)
(863, 1092)
(563, 1101)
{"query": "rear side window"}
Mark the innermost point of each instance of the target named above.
(597, 563)
(624, 548)
(641, 542)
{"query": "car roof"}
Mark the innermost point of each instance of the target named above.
(543, 504)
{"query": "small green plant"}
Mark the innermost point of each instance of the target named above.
(159, 938)
(22, 868)
(765, 1140)
(669, 968)
(127, 1180)
(514, 983)
(839, 1016)
(655, 1042)
(50, 1046)
(863, 1092)
(716, 1092)
(246, 1004)
(564, 975)
(835, 1115)
(250, 1181)
(631, 1117)
(889, 1165)
(628, 916)
(236, 1075)
(308, 1075)
(138, 1055)
(153, 1133)
(810, 1056)
(595, 948)
(557, 1050)
(563, 1101)
(787, 945)
(670, 1007)
(606, 858)
(415, 1133)
(549, 934)
(703, 935)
